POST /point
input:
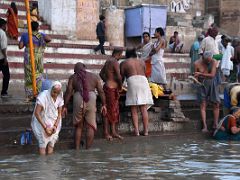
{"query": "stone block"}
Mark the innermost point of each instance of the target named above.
(180, 120)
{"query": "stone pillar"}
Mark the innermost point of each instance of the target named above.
(87, 17)
(115, 19)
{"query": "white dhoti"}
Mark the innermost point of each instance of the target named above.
(49, 115)
(138, 91)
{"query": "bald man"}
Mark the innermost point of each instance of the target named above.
(205, 71)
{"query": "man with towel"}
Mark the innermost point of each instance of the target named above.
(110, 74)
(138, 91)
(205, 72)
(82, 86)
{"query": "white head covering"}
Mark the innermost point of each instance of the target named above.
(56, 84)
(207, 54)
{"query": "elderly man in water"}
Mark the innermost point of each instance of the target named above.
(206, 71)
(47, 119)
(82, 86)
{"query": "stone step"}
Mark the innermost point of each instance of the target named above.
(64, 48)
(20, 6)
(16, 149)
(12, 136)
(4, 8)
(18, 2)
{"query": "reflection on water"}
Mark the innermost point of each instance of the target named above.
(155, 157)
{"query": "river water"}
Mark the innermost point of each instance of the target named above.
(154, 157)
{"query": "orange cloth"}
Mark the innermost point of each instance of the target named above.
(12, 24)
(148, 67)
(231, 122)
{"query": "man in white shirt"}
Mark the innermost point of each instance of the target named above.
(209, 43)
(3, 58)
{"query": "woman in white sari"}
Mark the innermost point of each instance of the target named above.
(46, 119)
(158, 74)
(146, 48)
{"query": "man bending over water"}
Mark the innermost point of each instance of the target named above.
(82, 85)
(205, 72)
(138, 91)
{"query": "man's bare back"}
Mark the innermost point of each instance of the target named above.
(93, 83)
(110, 73)
(131, 67)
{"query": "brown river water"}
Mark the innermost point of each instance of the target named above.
(172, 156)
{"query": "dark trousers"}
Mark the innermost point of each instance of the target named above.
(101, 43)
(6, 76)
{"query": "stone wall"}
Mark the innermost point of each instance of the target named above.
(87, 16)
(230, 16)
(76, 18)
(212, 7)
(186, 34)
(60, 14)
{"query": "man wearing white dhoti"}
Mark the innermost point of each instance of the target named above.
(46, 119)
(138, 91)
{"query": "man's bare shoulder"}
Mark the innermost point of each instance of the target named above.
(197, 62)
(93, 76)
(215, 62)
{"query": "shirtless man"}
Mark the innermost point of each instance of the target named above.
(138, 91)
(82, 85)
(205, 71)
(110, 74)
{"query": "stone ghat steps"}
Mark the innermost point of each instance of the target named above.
(11, 135)
(61, 60)
(20, 5)
(15, 149)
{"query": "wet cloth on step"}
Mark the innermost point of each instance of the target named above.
(138, 91)
(112, 102)
(85, 112)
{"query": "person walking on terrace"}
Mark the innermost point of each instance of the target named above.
(12, 21)
(3, 58)
(138, 91)
(39, 43)
(205, 72)
(100, 31)
(110, 74)
(47, 118)
(82, 86)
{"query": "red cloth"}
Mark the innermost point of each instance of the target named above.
(148, 67)
(112, 102)
(232, 122)
(12, 24)
(81, 74)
